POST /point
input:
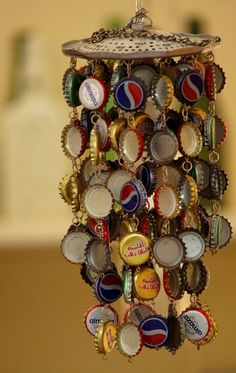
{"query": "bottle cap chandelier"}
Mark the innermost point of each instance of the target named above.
(144, 164)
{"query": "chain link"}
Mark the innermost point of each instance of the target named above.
(126, 31)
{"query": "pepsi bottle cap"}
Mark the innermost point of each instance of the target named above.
(155, 331)
(130, 94)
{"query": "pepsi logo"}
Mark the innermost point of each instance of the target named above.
(155, 331)
(192, 87)
(108, 287)
(130, 197)
(130, 94)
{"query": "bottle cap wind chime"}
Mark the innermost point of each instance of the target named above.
(144, 162)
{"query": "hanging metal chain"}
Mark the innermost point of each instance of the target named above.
(139, 17)
(138, 5)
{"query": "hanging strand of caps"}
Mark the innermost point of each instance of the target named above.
(144, 164)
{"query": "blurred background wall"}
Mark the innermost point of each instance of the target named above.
(42, 298)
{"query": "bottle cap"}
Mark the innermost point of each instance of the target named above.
(88, 275)
(86, 170)
(190, 218)
(70, 191)
(133, 196)
(116, 181)
(97, 255)
(197, 324)
(137, 312)
(195, 277)
(130, 94)
(163, 146)
(118, 74)
(195, 244)
(103, 177)
(95, 314)
(155, 331)
(93, 93)
(169, 251)
(99, 227)
(173, 176)
(74, 245)
(127, 277)
(146, 74)
(162, 92)
(115, 130)
(85, 121)
(189, 87)
(167, 202)
(108, 287)
(101, 126)
(146, 283)
(210, 82)
(74, 141)
(131, 145)
(226, 232)
(105, 337)
(172, 283)
(146, 173)
(141, 122)
(188, 191)
(71, 83)
(129, 340)
(97, 201)
(135, 248)
(190, 139)
(94, 145)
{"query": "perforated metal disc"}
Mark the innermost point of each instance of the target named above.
(155, 44)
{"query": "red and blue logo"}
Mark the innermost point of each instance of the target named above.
(130, 197)
(192, 87)
(108, 287)
(155, 331)
(130, 94)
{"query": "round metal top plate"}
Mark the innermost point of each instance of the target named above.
(134, 46)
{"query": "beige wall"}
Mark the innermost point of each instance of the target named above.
(42, 298)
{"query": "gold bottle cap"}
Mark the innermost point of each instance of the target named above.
(94, 147)
(105, 337)
(141, 122)
(135, 248)
(73, 141)
(188, 191)
(69, 191)
(126, 227)
(146, 283)
(115, 130)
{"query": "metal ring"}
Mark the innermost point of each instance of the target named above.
(187, 166)
(213, 157)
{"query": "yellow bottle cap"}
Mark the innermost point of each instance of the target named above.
(135, 248)
(146, 284)
(105, 337)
